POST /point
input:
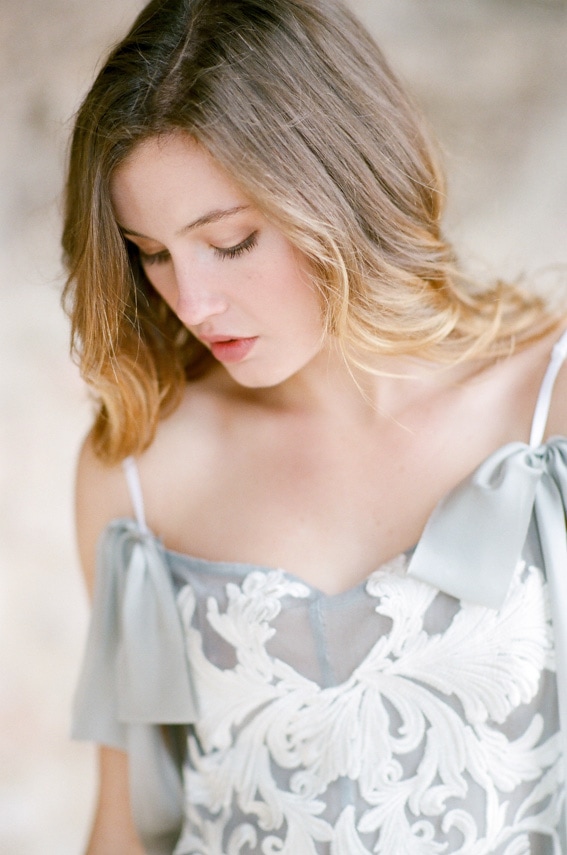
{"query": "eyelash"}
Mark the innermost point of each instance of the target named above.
(239, 249)
(154, 258)
(230, 252)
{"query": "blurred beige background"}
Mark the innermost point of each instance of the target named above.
(492, 77)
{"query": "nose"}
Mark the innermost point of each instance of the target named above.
(198, 298)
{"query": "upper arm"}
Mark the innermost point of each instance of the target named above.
(101, 495)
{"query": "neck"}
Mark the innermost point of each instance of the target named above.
(332, 387)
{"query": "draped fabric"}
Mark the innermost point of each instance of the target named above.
(143, 651)
(422, 712)
(135, 677)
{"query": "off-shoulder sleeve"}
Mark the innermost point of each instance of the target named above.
(135, 669)
(135, 676)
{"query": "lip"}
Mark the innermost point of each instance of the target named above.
(229, 349)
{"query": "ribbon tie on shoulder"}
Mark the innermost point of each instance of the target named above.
(135, 669)
(473, 540)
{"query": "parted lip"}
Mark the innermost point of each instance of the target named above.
(214, 339)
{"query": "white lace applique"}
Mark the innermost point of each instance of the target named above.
(429, 746)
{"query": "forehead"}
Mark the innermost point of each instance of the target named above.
(170, 174)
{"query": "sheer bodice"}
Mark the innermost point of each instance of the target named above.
(417, 713)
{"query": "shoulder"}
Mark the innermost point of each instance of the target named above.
(542, 368)
(187, 439)
(526, 389)
(557, 420)
(192, 451)
(174, 471)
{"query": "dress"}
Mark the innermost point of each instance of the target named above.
(417, 713)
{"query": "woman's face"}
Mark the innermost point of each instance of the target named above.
(229, 275)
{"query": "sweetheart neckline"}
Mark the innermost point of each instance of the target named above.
(243, 568)
(315, 591)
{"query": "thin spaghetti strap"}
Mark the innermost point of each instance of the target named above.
(135, 490)
(543, 403)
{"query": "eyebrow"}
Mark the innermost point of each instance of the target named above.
(210, 217)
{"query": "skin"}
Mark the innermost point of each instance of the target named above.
(216, 260)
(306, 467)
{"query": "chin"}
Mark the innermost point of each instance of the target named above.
(253, 378)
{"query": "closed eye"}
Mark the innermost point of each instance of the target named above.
(239, 249)
(154, 257)
(230, 252)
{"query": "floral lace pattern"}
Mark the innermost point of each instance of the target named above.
(435, 741)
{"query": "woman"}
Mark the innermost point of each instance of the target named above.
(290, 372)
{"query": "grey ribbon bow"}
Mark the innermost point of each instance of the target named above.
(135, 668)
(473, 540)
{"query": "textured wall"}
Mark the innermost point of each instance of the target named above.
(492, 77)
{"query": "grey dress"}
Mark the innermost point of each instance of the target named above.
(419, 712)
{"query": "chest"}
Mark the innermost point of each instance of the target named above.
(382, 695)
(248, 618)
(330, 508)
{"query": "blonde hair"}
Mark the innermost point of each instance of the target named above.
(295, 100)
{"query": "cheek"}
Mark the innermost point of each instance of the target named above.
(296, 314)
(161, 281)
(290, 280)
(303, 299)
